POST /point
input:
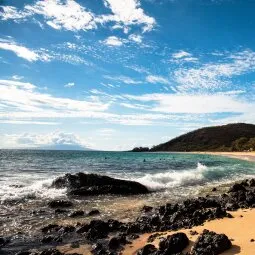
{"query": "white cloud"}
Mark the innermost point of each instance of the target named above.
(116, 41)
(63, 14)
(70, 15)
(57, 139)
(69, 85)
(28, 122)
(17, 77)
(123, 79)
(22, 51)
(215, 75)
(135, 38)
(195, 104)
(156, 79)
(11, 12)
(113, 41)
(22, 100)
(22, 103)
(181, 54)
(128, 12)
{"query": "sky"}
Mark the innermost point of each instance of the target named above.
(115, 74)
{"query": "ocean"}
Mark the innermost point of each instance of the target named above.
(26, 177)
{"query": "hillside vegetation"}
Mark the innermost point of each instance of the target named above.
(231, 137)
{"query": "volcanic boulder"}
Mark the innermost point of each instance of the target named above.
(82, 184)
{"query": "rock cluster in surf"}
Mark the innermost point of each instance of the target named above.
(109, 237)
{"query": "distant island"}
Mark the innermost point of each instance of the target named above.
(231, 137)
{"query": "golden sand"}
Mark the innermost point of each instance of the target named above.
(240, 230)
(249, 156)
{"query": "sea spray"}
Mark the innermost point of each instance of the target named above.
(172, 178)
(37, 190)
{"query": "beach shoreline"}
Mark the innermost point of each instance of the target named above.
(248, 156)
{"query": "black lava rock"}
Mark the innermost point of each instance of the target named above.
(4, 241)
(174, 243)
(116, 242)
(97, 229)
(76, 214)
(93, 213)
(237, 187)
(60, 203)
(211, 243)
(82, 184)
(60, 211)
(148, 249)
(50, 228)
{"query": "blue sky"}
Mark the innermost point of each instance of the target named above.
(111, 74)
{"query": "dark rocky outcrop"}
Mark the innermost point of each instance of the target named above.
(93, 213)
(173, 243)
(191, 212)
(240, 195)
(148, 249)
(4, 241)
(82, 184)
(76, 214)
(211, 243)
(60, 203)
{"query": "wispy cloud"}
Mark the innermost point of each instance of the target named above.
(69, 85)
(213, 76)
(123, 79)
(195, 104)
(23, 100)
(29, 122)
(17, 77)
(22, 103)
(22, 51)
(183, 56)
(156, 79)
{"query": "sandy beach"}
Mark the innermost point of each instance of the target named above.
(239, 229)
(249, 156)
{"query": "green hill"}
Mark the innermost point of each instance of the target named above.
(231, 137)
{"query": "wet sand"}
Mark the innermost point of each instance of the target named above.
(240, 230)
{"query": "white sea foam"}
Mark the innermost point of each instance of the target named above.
(172, 178)
(37, 190)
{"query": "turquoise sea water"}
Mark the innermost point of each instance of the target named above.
(26, 177)
(27, 174)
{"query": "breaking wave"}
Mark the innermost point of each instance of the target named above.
(172, 178)
(37, 190)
